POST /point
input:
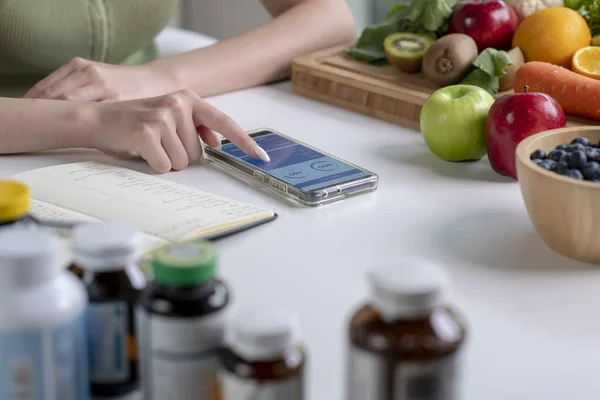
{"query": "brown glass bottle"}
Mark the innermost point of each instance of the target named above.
(405, 344)
(263, 359)
(105, 252)
(76, 270)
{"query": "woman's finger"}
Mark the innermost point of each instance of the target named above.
(152, 151)
(209, 116)
(186, 131)
(86, 93)
(156, 156)
(61, 89)
(209, 137)
(173, 146)
(54, 77)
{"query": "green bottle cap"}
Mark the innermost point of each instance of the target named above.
(184, 264)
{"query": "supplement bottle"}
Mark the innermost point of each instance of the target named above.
(263, 359)
(181, 324)
(405, 344)
(106, 253)
(14, 204)
(43, 339)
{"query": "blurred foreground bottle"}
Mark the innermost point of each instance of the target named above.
(264, 358)
(106, 254)
(43, 343)
(405, 344)
(181, 324)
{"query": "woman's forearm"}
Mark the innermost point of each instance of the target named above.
(28, 125)
(264, 54)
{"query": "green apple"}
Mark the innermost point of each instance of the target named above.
(453, 122)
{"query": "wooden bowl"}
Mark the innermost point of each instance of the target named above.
(564, 211)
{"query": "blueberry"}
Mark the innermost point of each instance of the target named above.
(595, 180)
(591, 170)
(565, 158)
(538, 155)
(592, 154)
(551, 164)
(574, 147)
(557, 155)
(561, 147)
(574, 173)
(561, 168)
(546, 165)
(537, 161)
(581, 140)
(578, 159)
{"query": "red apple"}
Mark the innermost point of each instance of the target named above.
(491, 23)
(514, 117)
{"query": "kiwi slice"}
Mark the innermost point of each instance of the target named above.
(406, 50)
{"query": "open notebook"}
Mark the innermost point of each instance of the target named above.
(164, 211)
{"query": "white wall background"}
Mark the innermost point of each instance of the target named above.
(226, 18)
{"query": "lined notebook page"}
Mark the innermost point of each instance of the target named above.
(158, 207)
(47, 211)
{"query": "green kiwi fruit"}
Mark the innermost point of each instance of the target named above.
(406, 50)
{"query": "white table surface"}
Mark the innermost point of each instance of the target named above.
(533, 315)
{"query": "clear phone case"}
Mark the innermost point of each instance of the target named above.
(317, 197)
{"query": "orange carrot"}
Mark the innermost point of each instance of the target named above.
(577, 94)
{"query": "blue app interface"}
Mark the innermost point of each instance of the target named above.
(296, 164)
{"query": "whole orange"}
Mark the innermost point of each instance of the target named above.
(552, 35)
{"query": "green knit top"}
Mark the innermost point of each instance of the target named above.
(39, 36)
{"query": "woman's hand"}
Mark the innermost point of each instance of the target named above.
(165, 130)
(87, 80)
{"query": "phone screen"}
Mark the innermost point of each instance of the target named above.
(296, 164)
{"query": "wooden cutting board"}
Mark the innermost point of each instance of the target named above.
(382, 92)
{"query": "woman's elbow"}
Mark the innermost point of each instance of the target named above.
(344, 27)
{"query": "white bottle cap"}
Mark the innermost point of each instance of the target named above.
(410, 288)
(105, 246)
(28, 257)
(263, 334)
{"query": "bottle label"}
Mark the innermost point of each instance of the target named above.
(180, 356)
(372, 377)
(108, 330)
(236, 388)
(48, 364)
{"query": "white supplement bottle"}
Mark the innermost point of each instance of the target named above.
(43, 344)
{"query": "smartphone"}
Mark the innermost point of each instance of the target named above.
(297, 171)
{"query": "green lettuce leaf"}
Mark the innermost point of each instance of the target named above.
(395, 10)
(431, 14)
(482, 79)
(493, 62)
(488, 67)
(421, 16)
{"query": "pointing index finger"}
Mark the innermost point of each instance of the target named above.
(209, 116)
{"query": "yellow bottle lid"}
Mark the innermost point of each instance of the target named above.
(14, 200)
